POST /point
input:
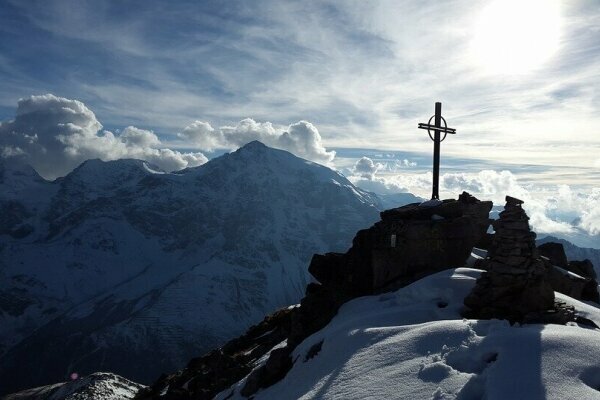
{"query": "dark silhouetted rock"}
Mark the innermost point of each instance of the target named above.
(555, 253)
(584, 268)
(515, 285)
(576, 279)
(206, 376)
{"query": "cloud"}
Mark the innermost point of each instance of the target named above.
(301, 138)
(378, 185)
(366, 168)
(366, 174)
(558, 210)
(56, 134)
(203, 135)
(139, 137)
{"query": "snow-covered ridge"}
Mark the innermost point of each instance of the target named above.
(413, 344)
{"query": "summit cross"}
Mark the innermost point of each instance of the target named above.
(437, 129)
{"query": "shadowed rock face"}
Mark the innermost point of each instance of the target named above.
(408, 243)
(577, 279)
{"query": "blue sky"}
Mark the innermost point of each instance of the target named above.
(175, 81)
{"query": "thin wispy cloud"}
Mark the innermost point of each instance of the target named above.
(363, 73)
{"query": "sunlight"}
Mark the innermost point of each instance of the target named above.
(516, 36)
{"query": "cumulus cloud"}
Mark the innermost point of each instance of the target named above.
(379, 185)
(365, 174)
(301, 138)
(559, 210)
(56, 134)
(366, 168)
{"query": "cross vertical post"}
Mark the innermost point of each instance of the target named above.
(436, 151)
(437, 129)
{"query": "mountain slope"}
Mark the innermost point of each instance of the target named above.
(129, 269)
(414, 344)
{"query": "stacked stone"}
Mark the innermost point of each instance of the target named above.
(514, 286)
(513, 246)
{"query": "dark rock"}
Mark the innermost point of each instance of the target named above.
(584, 268)
(214, 372)
(555, 253)
(515, 284)
(313, 351)
(278, 364)
(561, 281)
(581, 287)
(513, 201)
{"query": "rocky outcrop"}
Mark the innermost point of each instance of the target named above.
(408, 243)
(515, 285)
(555, 252)
(206, 376)
(577, 279)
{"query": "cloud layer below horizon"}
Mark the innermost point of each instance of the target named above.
(558, 210)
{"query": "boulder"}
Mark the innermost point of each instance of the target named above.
(584, 268)
(555, 253)
(576, 279)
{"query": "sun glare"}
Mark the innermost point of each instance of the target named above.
(516, 36)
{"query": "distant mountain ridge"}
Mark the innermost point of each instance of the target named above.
(119, 266)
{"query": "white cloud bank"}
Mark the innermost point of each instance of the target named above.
(558, 210)
(55, 135)
(301, 138)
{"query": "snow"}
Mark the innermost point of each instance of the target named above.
(431, 203)
(97, 386)
(413, 344)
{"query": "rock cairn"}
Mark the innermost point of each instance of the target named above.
(515, 285)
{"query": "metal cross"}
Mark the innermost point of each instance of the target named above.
(437, 129)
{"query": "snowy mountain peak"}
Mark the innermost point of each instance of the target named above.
(15, 169)
(156, 268)
(96, 166)
(99, 176)
(254, 145)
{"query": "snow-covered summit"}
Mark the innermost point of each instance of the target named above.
(414, 344)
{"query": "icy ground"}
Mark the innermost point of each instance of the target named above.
(413, 344)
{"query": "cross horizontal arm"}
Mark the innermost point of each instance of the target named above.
(437, 128)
